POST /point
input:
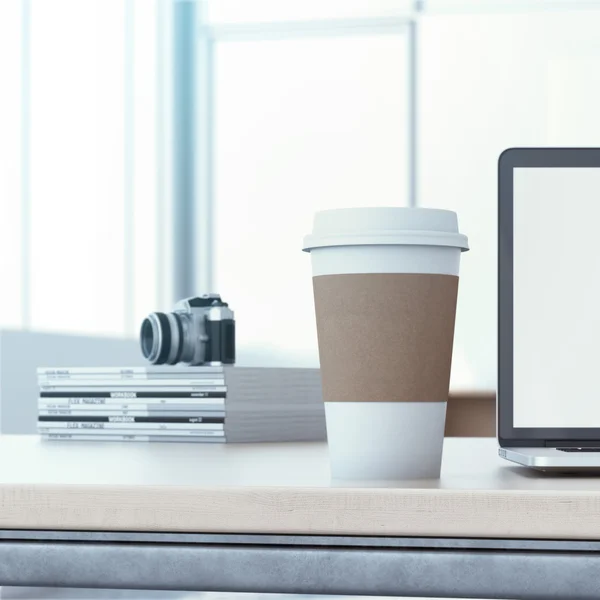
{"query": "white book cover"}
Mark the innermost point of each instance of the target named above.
(115, 379)
(84, 414)
(74, 437)
(93, 426)
(139, 390)
(153, 432)
(128, 383)
(127, 371)
(93, 403)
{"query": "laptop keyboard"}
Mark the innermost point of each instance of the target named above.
(579, 449)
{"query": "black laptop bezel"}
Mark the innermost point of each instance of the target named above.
(508, 435)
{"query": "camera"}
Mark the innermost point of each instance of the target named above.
(200, 331)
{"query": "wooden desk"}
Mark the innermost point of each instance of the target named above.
(266, 518)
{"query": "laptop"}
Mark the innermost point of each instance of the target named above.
(549, 308)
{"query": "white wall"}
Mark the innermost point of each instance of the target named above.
(488, 82)
(302, 123)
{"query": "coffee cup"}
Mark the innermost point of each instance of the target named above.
(385, 284)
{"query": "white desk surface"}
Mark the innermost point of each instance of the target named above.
(281, 488)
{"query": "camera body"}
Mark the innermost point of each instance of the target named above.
(200, 331)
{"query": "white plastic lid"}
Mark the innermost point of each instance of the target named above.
(387, 226)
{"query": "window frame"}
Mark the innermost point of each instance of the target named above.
(195, 103)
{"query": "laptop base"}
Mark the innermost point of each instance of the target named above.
(553, 459)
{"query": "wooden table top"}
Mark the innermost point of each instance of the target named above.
(282, 488)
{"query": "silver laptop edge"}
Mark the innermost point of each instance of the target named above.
(550, 459)
(532, 447)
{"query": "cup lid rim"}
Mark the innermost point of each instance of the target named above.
(409, 237)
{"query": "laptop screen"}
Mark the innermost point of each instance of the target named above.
(556, 297)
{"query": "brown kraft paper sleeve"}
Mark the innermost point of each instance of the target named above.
(385, 337)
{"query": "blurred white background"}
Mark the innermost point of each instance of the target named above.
(283, 108)
(84, 200)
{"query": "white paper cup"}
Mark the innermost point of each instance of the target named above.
(397, 437)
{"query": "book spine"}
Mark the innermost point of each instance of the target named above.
(133, 404)
(129, 394)
(128, 383)
(130, 419)
(75, 437)
(82, 415)
(127, 371)
(183, 433)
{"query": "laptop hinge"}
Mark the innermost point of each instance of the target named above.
(572, 443)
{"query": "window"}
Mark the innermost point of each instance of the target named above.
(487, 75)
(294, 106)
(11, 61)
(84, 191)
(301, 124)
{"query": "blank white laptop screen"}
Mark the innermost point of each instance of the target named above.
(556, 297)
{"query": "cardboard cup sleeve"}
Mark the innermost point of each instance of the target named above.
(385, 337)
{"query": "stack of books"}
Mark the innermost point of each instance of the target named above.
(180, 404)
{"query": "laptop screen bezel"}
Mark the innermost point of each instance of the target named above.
(510, 159)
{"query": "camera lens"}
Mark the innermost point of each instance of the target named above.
(155, 338)
(147, 338)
